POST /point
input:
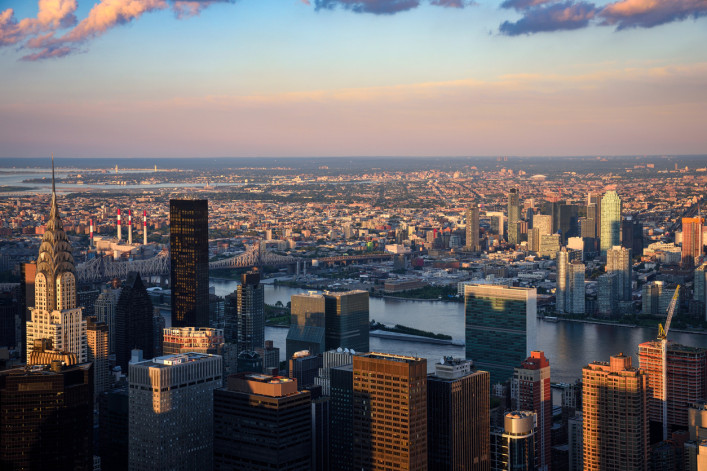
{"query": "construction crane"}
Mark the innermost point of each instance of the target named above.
(663, 337)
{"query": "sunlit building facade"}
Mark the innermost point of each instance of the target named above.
(610, 235)
(472, 228)
(513, 445)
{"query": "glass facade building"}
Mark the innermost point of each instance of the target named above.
(189, 257)
(610, 235)
(500, 324)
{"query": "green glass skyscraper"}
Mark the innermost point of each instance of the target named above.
(500, 327)
(610, 221)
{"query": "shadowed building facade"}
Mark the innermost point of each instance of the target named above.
(262, 423)
(46, 418)
(389, 412)
(134, 321)
(500, 327)
(189, 257)
(458, 417)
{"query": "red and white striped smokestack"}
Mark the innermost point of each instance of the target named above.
(144, 227)
(90, 232)
(130, 226)
(119, 225)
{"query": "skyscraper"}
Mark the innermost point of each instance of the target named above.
(692, 240)
(97, 340)
(700, 289)
(543, 222)
(322, 322)
(472, 228)
(610, 221)
(500, 327)
(390, 412)
(575, 302)
(513, 445)
(562, 283)
(104, 309)
(513, 216)
(262, 423)
(618, 260)
(457, 417)
(341, 414)
(56, 315)
(171, 412)
(687, 380)
(46, 418)
(607, 294)
(113, 420)
(530, 390)
(632, 236)
(134, 323)
(615, 416)
(250, 313)
(189, 254)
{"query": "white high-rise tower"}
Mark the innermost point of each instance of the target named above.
(55, 314)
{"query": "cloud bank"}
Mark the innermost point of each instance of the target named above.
(41, 33)
(556, 15)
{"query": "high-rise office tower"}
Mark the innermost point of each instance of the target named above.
(387, 433)
(46, 418)
(56, 315)
(543, 222)
(692, 240)
(575, 443)
(133, 324)
(261, 423)
(615, 416)
(28, 271)
(650, 298)
(562, 283)
(304, 367)
(632, 235)
(607, 294)
(700, 289)
(589, 228)
(687, 380)
(97, 340)
(575, 302)
(250, 320)
(500, 327)
(189, 269)
(322, 322)
(513, 216)
(341, 418)
(347, 323)
(696, 447)
(618, 260)
(610, 221)
(270, 356)
(158, 325)
(513, 445)
(457, 417)
(104, 309)
(331, 359)
(192, 339)
(472, 228)
(171, 412)
(530, 390)
(113, 430)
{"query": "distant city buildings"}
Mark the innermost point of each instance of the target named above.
(472, 228)
(189, 268)
(610, 235)
(500, 327)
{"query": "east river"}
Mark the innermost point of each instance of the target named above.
(568, 345)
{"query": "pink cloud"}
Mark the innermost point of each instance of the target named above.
(649, 13)
(52, 15)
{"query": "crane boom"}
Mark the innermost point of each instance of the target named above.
(663, 332)
(663, 337)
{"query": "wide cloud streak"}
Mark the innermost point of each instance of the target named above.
(554, 17)
(379, 7)
(52, 14)
(648, 13)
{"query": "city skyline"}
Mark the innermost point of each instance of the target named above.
(346, 78)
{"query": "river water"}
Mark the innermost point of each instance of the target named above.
(568, 345)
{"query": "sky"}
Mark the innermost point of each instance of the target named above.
(265, 78)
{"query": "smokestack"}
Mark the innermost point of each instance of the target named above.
(119, 225)
(144, 226)
(90, 236)
(130, 226)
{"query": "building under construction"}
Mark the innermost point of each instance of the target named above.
(687, 380)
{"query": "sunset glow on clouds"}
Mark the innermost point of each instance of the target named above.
(352, 77)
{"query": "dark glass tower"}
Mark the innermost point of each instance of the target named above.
(134, 321)
(251, 314)
(46, 418)
(189, 271)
